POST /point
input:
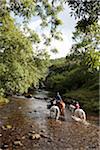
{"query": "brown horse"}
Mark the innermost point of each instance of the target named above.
(61, 106)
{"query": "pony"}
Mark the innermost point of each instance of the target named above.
(56, 109)
(80, 113)
(80, 116)
(54, 112)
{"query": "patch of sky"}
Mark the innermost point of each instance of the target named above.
(67, 29)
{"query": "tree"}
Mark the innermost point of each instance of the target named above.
(19, 67)
(86, 11)
(16, 57)
(87, 46)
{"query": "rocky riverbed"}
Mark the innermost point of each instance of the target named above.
(25, 125)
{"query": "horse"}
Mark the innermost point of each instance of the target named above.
(80, 116)
(55, 112)
(56, 109)
(80, 113)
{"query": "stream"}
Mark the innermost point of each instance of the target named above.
(25, 125)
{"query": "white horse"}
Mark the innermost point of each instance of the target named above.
(79, 113)
(55, 112)
(80, 116)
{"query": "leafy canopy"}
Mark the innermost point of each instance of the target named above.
(20, 65)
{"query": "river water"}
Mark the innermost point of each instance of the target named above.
(22, 117)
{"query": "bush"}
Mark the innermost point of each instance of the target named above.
(3, 100)
(89, 100)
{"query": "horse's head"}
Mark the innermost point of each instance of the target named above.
(51, 103)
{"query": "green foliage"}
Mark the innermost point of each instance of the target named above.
(3, 100)
(81, 66)
(89, 100)
(18, 69)
(87, 46)
(48, 12)
(33, 36)
(71, 79)
(55, 82)
(21, 67)
(92, 59)
(86, 11)
(25, 8)
(94, 87)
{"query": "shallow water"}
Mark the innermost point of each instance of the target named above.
(31, 115)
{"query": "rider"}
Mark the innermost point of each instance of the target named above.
(58, 98)
(60, 104)
(77, 105)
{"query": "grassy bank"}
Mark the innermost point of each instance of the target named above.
(89, 100)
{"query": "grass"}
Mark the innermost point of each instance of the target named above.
(3, 100)
(89, 99)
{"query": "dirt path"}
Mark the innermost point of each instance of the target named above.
(24, 125)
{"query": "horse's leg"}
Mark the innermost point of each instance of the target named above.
(57, 114)
(83, 116)
(62, 110)
(50, 114)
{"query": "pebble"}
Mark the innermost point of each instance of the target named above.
(34, 136)
(5, 146)
(42, 130)
(32, 126)
(18, 143)
(31, 132)
(19, 107)
(35, 110)
(23, 137)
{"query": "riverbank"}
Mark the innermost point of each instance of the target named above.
(89, 100)
(25, 125)
(3, 101)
